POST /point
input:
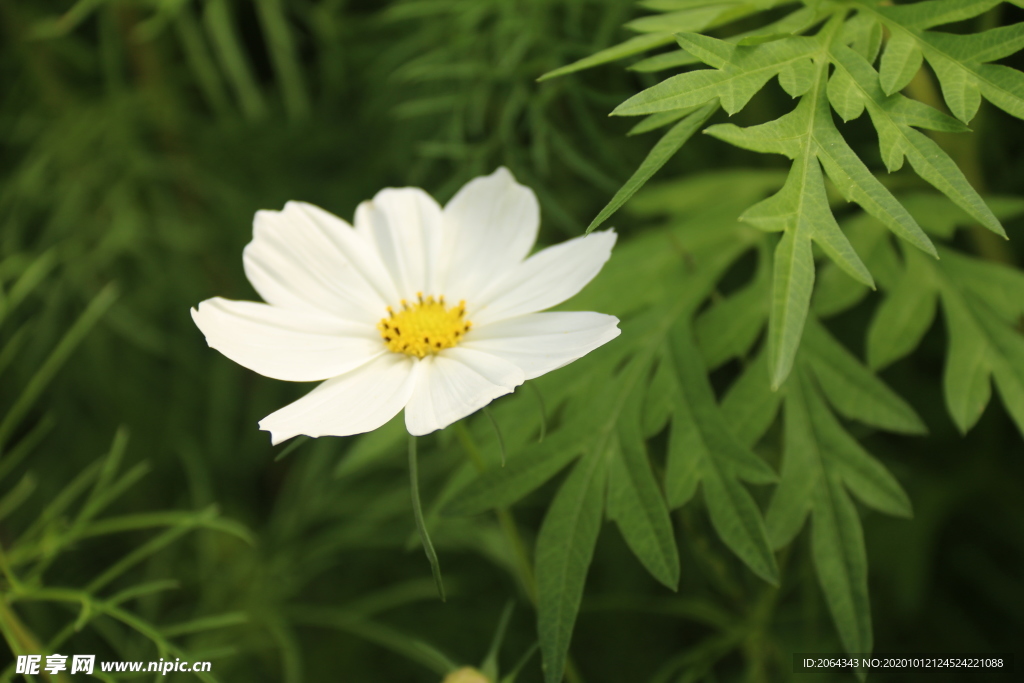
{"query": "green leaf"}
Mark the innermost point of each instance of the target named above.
(635, 503)
(959, 60)
(936, 12)
(858, 184)
(999, 286)
(686, 451)
(796, 78)
(669, 144)
(966, 378)
(740, 72)
(863, 475)
(835, 291)
(704, 449)
(863, 33)
(692, 19)
(655, 121)
(893, 118)
(628, 48)
(819, 458)
(694, 395)
(750, 405)
(791, 298)
(729, 328)
(900, 62)
(840, 559)
(1007, 361)
(903, 317)
(982, 307)
(853, 389)
(502, 486)
(844, 95)
(657, 407)
(807, 135)
(800, 472)
(565, 547)
(737, 521)
(666, 60)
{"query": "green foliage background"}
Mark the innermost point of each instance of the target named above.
(661, 487)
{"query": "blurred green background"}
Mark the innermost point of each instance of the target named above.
(138, 138)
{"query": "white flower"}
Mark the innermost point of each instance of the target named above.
(417, 307)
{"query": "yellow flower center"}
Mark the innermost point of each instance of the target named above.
(424, 327)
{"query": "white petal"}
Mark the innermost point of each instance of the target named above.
(405, 226)
(541, 342)
(547, 278)
(307, 259)
(455, 383)
(489, 227)
(356, 402)
(296, 346)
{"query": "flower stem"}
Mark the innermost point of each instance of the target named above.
(421, 526)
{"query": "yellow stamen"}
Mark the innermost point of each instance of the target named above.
(424, 327)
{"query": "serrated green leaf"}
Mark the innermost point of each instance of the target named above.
(853, 389)
(840, 559)
(1006, 359)
(663, 61)
(812, 481)
(740, 72)
(958, 60)
(797, 135)
(703, 449)
(738, 522)
(501, 486)
(801, 209)
(796, 78)
(959, 86)
(792, 24)
(1001, 287)
(792, 284)
(844, 96)
(853, 179)
(800, 472)
(835, 291)
(694, 392)
(685, 454)
(983, 338)
(898, 140)
(863, 33)
(903, 317)
(657, 407)
(966, 378)
(659, 155)
(692, 19)
(565, 547)
(635, 503)
(936, 12)
(731, 326)
(937, 168)
(900, 62)
(655, 121)
(978, 48)
(628, 48)
(750, 405)
(866, 478)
